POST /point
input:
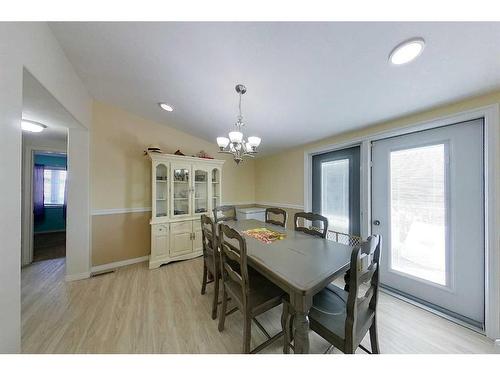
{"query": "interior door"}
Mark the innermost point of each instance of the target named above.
(336, 189)
(428, 205)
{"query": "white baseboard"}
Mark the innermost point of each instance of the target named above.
(78, 276)
(121, 263)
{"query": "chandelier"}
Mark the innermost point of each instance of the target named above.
(236, 144)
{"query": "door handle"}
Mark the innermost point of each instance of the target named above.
(376, 222)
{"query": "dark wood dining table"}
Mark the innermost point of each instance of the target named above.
(300, 264)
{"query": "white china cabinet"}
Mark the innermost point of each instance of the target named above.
(183, 188)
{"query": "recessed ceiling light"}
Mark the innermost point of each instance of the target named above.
(407, 51)
(166, 107)
(32, 126)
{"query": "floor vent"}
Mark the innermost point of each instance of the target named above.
(101, 273)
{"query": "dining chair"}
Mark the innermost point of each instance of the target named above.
(252, 293)
(224, 213)
(313, 229)
(276, 212)
(346, 239)
(342, 318)
(211, 260)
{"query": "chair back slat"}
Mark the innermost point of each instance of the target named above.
(367, 254)
(274, 211)
(208, 239)
(318, 227)
(233, 275)
(366, 276)
(224, 213)
(234, 257)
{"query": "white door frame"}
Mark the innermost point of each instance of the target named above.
(27, 199)
(490, 114)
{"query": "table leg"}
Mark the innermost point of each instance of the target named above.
(301, 339)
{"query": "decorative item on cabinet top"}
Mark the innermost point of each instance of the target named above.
(183, 188)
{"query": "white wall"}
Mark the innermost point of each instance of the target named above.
(78, 262)
(33, 46)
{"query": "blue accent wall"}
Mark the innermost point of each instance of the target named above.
(54, 219)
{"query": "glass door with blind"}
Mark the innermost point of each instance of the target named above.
(336, 189)
(428, 205)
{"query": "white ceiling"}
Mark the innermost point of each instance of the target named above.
(305, 81)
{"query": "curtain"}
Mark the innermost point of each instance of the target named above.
(65, 201)
(38, 207)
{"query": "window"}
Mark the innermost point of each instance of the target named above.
(418, 212)
(54, 185)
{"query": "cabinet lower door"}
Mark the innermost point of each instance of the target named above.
(159, 240)
(197, 242)
(181, 238)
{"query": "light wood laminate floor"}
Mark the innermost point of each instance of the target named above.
(135, 310)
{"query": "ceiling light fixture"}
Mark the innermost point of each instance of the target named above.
(407, 51)
(32, 126)
(236, 143)
(166, 107)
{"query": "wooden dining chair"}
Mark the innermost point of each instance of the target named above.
(224, 213)
(315, 219)
(342, 318)
(252, 293)
(273, 212)
(346, 239)
(211, 260)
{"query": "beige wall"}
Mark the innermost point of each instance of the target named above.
(121, 174)
(279, 178)
(120, 236)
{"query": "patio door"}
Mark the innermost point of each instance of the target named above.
(428, 205)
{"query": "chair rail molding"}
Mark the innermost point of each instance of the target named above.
(115, 211)
(281, 205)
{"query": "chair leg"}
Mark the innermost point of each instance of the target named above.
(204, 281)
(216, 297)
(223, 309)
(247, 333)
(374, 337)
(285, 326)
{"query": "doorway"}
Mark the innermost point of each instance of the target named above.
(428, 205)
(48, 186)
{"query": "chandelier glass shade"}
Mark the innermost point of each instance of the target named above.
(236, 144)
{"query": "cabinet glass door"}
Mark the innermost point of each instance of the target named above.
(161, 190)
(216, 184)
(181, 191)
(200, 191)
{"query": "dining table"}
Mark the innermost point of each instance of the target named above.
(300, 264)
